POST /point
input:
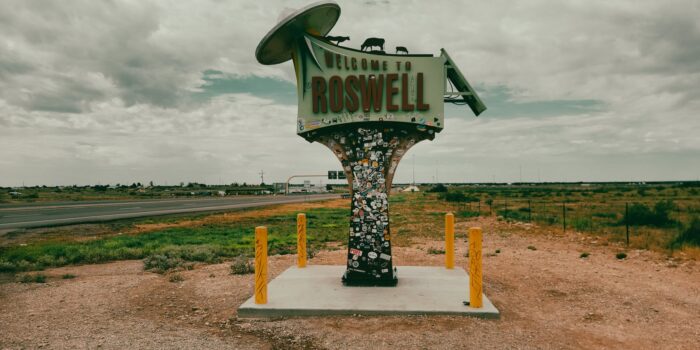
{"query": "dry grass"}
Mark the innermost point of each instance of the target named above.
(240, 215)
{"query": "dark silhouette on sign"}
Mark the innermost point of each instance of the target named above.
(337, 39)
(401, 49)
(371, 42)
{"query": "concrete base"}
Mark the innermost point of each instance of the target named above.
(318, 291)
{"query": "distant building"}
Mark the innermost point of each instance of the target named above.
(411, 188)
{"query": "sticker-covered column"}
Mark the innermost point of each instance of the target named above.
(370, 156)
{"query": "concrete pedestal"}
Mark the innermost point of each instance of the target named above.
(318, 291)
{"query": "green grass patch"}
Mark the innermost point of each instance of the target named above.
(173, 248)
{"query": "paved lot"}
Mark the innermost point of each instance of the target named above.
(49, 214)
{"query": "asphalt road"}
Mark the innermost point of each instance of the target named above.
(52, 214)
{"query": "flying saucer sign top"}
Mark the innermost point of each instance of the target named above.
(279, 43)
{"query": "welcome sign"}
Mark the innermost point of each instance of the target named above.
(337, 85)
(369, 109)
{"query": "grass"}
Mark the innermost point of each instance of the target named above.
(175, 247)
(165, 245)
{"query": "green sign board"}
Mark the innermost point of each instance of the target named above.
(337, 85)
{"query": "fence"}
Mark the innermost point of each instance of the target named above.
(655, 220)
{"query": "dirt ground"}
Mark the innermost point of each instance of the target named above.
(548, 295)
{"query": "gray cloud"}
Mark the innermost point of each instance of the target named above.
(119, 91)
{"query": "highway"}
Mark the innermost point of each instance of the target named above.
(52, 214)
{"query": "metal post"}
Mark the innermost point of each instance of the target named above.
(301, 240)
(449, 241)
(261, 265)
(475, 274)
(563, 209)
(627, 223)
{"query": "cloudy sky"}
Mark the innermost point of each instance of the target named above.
(125, 91)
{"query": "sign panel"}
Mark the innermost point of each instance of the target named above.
(337, 85)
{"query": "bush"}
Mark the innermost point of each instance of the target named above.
(432, 250)
(242, 266)
(689, 236)
(161, 263)
(455, 197)
(531, 247)
(27, 278)
(640, 214)
(466, 214)
(438, 188)
(584, 255)
(68, 276)
(176, 277)
(621, 256)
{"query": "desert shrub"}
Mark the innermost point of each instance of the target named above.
(435, 251)
(311, 252)
(640, 214)
(455, 196)
(439, 188)
(689, 236)
(176, 277)
(6, 266)
(605, 215)
(37, 278)
(531, 247)
(242, 266)
(581, 224)
(517, 215)
(68, 276)
(621, 256)
(584, 255)
(161, 263)
(466, 214)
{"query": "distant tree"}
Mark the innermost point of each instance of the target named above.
(439, 188)
(150, 184)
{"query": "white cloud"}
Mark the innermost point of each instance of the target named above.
(102, 91)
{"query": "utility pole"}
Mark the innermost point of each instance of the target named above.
(262, 176)
(414, 169)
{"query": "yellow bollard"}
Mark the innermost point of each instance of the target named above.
(301, 240)
(449, 241)
(261, 265)
(475, 275)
